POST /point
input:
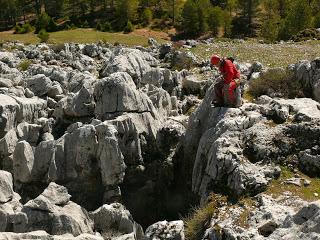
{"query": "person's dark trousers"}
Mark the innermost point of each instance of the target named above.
(218, 89)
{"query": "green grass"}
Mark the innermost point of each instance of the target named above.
(271, 55)
(80, 35)
(24, 65)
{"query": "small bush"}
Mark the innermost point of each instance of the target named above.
(24, 65)
(104, 27)
(129, 27)
(43, 35)
(276, 82)
(21, 29)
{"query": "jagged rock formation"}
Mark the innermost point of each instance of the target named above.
(110, 124)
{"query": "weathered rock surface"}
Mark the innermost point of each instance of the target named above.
(54, 213)
(127, 138)
(166, 230)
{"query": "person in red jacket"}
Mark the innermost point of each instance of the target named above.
(225, 90)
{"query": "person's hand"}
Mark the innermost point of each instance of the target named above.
(237, 81)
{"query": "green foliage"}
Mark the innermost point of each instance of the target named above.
(299, 18)
(104, 27)
(276, 80)
(24, 65)
(45, 22)
(129, 27)
(216, 17)
(146, 17)
(21, 29)
(127, 10)
(270, 29)
(43, 35)
(190, 21)
(316, 22)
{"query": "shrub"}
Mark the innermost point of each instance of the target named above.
(216, 16)
(24, 65)
(104, 27)
(21, 29)
(276, 82)
(42, 22)
(316, 21)
(129, 27)
(52, 26)
(270, 29)
(307, 34)
(43, 35)
(45, 22)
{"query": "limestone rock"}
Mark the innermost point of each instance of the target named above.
(132, 61)
(57, 214)
(39, 84)
(115, 218)
(6, 186)
(166, 230)
(9, 109)
(23, 160)
(118, 94)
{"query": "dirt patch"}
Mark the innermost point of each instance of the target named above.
(148, 33)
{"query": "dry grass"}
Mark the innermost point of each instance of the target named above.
(271, 55)
(80, 35)
(277, 188)
(199, 220)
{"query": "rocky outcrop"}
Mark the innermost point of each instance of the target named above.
(53, 212)
(111, 124)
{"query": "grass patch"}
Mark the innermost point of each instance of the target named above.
(243, 220)
(276, 187)
(270, 55)
(199, 220)
(24, 65)
(80, 35)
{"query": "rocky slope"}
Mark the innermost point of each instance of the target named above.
(89, 131)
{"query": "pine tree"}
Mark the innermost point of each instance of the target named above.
(299, 17)
(190, 19)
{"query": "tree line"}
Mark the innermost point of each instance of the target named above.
(270, 19)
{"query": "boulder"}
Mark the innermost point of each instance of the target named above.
(92, 50)
(9, 109)
(4, 82)
(132, 61)
(115, 218)
(29, 132)
(6, 186)
(79, 105)
(23, 160)
(53, 212)
(184, 60)
(166, 230)
(118, 94)
(39, 84)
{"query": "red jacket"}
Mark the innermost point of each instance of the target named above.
(229, 71)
